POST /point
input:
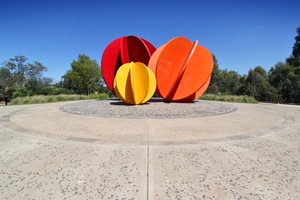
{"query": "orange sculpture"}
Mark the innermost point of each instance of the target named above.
(134, 83)
(182, 69)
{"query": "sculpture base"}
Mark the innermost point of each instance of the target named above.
(156, 108)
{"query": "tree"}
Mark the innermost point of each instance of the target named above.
(257, 84)
(282, 77)
(296, 50)
(84, 75)
(5, 82)
(17, 71)
(215, 78)
(5, 77)
(285, 77)
(36, 80)
(5, 94)
(223, 81)
(296, 66)
(18, 78)
(229, 82)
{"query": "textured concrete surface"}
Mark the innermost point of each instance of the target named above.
(252, 152)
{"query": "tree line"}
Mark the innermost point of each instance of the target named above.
(18, 78)
(281, 84)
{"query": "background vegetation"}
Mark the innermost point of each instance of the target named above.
(228, 98)
(36, 99)
(20, 80)
(281, 84)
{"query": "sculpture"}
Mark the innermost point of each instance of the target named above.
(181, 69)
(121, 51)
(134, 83)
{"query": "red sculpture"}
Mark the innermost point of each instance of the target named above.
(121, 51)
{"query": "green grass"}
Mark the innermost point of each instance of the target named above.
(38, 99)
(99, 96)
(228, 98)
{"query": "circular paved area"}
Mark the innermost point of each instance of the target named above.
(107, 150)
(108, 122)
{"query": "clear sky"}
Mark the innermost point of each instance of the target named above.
(242, 34)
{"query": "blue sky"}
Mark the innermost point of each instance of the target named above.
(242, 34)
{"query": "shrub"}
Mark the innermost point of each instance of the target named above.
(99, 96)
(228, 98)
(51, 90)
(22, 92)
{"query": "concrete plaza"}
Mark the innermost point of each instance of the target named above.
(107, 150)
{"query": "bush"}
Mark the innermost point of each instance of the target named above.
(47, 99)
(51, 90)
(22, 92)
(99, 96)
(228, 98)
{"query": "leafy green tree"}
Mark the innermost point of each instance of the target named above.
(281, 76)
(22, 78)
(35, 78)
(223, 81)
(296, 67)
(294, 59)
(84, 75)
(229, 82)
(285, 77)
(6, 94)
(215, 78)
(5, 77)
(258, 86)
(17, 71)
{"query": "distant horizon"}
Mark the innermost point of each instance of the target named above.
(241, 34)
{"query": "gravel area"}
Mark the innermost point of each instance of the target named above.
(154, 109)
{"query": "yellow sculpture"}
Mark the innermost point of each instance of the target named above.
(134, 83)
